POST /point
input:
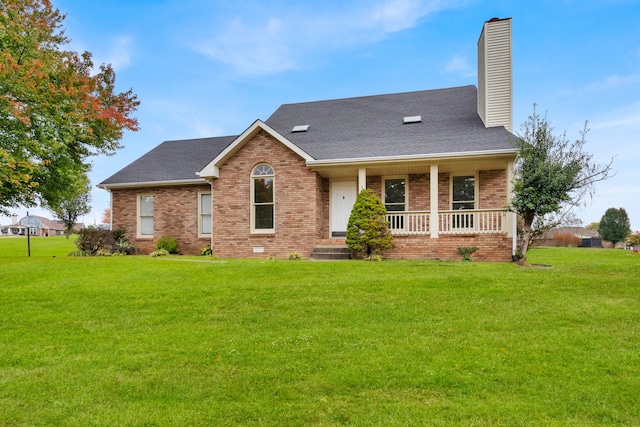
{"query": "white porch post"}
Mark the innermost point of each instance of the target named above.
(362, 179)
(433, 216)
(511, 216)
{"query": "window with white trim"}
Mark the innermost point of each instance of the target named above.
(463, 192)
(395, 194)
(262, 199)
(145, 215)
(204, 214)
(395, 200)
(463, 197)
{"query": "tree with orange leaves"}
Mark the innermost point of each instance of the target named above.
(106, 216)
(56, 110)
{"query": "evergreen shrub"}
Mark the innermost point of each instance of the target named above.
(368, 229)
(168, 243)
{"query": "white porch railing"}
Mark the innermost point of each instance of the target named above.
(484, 221)
(405, 223)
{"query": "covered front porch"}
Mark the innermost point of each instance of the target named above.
(453, 201)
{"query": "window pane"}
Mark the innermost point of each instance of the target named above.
(146, 226)
(205, 225)
(205, 204)
(394, 191)
(263, 189)
(464, 188)
(264, 217)
(146, 205)
(460, 206)
(395, 208)
(262, 170)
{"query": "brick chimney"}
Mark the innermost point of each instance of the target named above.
(495, 83)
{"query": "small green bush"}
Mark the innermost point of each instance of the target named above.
(159, 252)
(294, 256)
(79, 254)
(100, 242)
(124, 247)
(168, 243)
(466, 252)
(91, 240)
(206, 250)
(119, 234)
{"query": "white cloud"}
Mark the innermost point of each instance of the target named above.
(397, 15)
(251, 48)
(459, 64)
(119, 52)
(631, 118)
(259, 45)
(204, 128)
(613, 82)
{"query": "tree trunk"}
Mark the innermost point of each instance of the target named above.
(524, 243)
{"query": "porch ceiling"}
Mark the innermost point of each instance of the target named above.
(414, 167)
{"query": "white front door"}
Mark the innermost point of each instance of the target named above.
(343, 196)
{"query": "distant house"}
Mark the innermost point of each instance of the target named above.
(47, 228)
(440, 160)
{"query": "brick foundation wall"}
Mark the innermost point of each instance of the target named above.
(175, 215)
(296, 203)
(491, 247)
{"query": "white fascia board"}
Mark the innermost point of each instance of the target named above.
(212, 169)
(109, 187)
(412, 158)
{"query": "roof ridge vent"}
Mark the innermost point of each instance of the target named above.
(300, 128)
(412, 119)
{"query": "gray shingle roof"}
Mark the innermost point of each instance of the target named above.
(171, 161)
(372, 126)
(350, 128)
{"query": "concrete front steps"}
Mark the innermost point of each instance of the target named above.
(330, 253)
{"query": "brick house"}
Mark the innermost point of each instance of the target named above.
(46, 228)
(440, 160)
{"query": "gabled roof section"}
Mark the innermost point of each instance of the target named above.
(373, 126)
(171, 162)
(212, 168)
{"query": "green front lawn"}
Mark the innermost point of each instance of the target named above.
(20, 246)
(198, 341)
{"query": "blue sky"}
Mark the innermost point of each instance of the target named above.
(210, 68)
